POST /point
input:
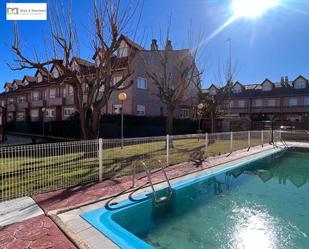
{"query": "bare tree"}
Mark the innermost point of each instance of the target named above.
(215, 104)
(176, 77)
(95, 80)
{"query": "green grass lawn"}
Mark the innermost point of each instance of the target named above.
(28, 175)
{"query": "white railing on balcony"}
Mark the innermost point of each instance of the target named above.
(31, 169)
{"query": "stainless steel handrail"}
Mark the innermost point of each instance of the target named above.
(148, 173)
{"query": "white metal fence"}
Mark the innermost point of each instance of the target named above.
(30, 169)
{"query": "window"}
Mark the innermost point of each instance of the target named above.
(55, 73)
(271, 102)
(123, 49)
(20, 116)
(35, 96)
(68, 111)
(258, 103)
(236, 90)
(232, 104)
(140, 110)
(34, 113)
(267, 87)
(11, 101)
(306, 101)
(64, 91)
(141, 83)
(117, 109)
(123, 52)
(40, 78)
(10, 116)
(184, 113)
(116, 79)
(300, 85)
(161, 111)
(71, 90)
(50, 113)
(292, 101)
(52, 93)
(22, 99)
(3, 103)
(241, 103)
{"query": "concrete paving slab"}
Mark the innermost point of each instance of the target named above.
(17, 210)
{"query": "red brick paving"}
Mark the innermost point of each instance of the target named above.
(41, 233)
(86, 193)
(36, 233)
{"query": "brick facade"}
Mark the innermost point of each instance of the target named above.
(289, 100)
(35, 96)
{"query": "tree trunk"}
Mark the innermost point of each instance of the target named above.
(212, 121)
(90, 125)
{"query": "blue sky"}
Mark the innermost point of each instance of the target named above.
(270, 46)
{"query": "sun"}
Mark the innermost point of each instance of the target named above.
(252, 8)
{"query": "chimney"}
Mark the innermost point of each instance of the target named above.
(282, 80)
(154, 45)
(168, 45)
(286, 79)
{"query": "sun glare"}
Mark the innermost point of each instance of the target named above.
(252, 8)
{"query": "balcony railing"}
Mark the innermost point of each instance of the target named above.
(11, 107)
(238, 109)
(69, 100)
(23, 105)
(55, 101)
(37, 103)
(265, 109)
(298, 108)
(268, 109)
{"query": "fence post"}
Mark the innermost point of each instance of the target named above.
(206, 145)
(167, 149)
(100, 159)
(262, 138)
(249, 139)
(231, 142)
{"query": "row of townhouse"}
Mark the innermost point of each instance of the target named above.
(36, 98)
(288, 100)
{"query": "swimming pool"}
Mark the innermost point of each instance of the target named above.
(260, 203)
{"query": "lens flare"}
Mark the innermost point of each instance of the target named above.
(252, 8)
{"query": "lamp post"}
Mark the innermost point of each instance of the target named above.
(200, 107)
(122, 97)
(43, 113)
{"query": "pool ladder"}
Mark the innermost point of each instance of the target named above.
(156, 198)
(283, 148)
(283, 143)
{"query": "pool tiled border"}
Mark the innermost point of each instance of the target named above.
(95, 239)
(101, 218)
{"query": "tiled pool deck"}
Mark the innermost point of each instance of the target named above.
(36, 233)
(66, 205)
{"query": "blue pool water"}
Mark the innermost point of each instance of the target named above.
(259, 204)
